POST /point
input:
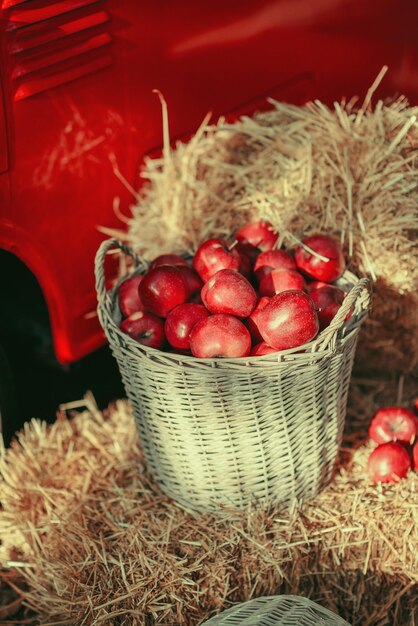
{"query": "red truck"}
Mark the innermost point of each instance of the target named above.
(76, 95)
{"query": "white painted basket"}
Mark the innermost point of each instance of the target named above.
(277, 611)
(225, 432)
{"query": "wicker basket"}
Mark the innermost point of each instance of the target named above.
(277, 611)
(225, 432)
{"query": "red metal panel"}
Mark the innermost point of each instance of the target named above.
(202, 56)
(30, 40)
(46, 60)
(4, 148)
(34, 13)
(32, 87)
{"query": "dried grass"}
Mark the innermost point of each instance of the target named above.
(350, 170)
(97, 543)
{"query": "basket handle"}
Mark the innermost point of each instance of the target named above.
(331, 333)
(99, 270)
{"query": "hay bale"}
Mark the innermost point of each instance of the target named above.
(346, 170)
(97, 543)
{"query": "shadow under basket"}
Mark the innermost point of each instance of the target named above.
(227, 432)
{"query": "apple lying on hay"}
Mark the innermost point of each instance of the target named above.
(393, 424)
(389, 462)
(395, 430)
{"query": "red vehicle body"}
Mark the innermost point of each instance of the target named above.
(76, 90)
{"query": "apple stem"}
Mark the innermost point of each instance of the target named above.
(233, 244)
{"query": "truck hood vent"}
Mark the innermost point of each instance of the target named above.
(52, 43)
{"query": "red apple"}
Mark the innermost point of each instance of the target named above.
(313, 266)
(258, 234)
(388, 463)
(393, 424)
(281, 280)
(245, 267)
(327, 300)
(262, 348)
(129, 300)
(180, 322)
(168, 259)
(229, 292)
(163, 288)
(145, 328)
(288, 320)
(252, 320)
(214, 255)
(324, 294)
(272, 260)
(193, 281)
(251, 252)
(220, 336)
(316, 284)
(415, 456)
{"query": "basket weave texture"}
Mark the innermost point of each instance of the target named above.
(224, 432)
(277, 611)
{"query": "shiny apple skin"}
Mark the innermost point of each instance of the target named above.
(252, 320)
(272, 260)
(163, 288)
(281, 280)
(214, 255)
(393, 424)
(128, 296)
(313, 266)
(415, 456)
(220, 336)
(193, 281)
(327, 300)
(258, 234)
(260, 349)
(229, 292)
(169, 259)
(180, 323)
(145, 328)
(289, 320)
(388, 463)
(316, 284)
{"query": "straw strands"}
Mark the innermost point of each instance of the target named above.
(97, 543)
(344, 170)
(347, 170)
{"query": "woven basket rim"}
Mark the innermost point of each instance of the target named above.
(300, 353)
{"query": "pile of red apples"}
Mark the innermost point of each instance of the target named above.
(242, 299)
(395, 430)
